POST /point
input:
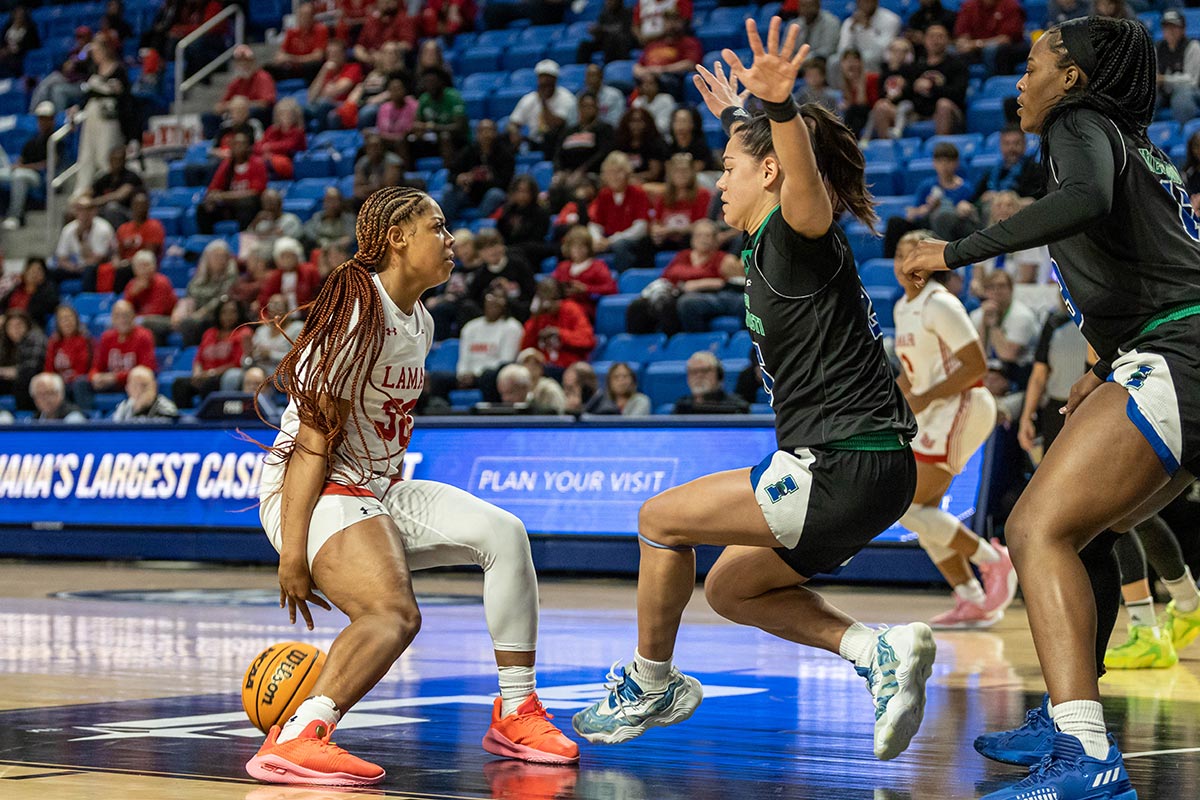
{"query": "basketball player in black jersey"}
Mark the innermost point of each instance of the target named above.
(1127, 252)
(843, 471)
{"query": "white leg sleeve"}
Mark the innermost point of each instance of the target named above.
(934, 528)
(444, 526)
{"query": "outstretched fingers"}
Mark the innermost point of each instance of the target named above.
(773, 36)
(756, 45)
(736, 68)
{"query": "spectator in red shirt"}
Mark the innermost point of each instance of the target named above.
(120, 349)
(333, 84)
(860, 91)
(672, 57)
(389, 22)
(584, 277)
(692, 272)
(296, 281)
(152, 296)
(682, 204)
(619, 217)
(303, 48)
(251, 82)
(69, 348)
(558, 328)
(994, 31)
(650, 17)
(35, 294)
(140, 233)
(218, 363)
(447, 17)
(235, 189)
(286, 137)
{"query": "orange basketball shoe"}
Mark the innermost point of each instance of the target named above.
(311, 760)
(527, 734)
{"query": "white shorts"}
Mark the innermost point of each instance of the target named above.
(338, 508)
(950, 431)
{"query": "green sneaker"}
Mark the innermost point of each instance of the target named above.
(1184, 628)
(1147, 648)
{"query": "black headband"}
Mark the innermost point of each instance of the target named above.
(1078, 41)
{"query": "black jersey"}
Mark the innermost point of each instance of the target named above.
(1120, 227)
(818, 343)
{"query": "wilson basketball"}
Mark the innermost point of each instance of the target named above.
(278, 680)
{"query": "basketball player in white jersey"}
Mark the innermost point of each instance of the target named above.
(942, 369)
(353, 377)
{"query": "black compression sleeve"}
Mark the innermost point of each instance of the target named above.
(1081, 156)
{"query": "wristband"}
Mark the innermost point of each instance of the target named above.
(733, 115)
(1102, 369)
(780, 112)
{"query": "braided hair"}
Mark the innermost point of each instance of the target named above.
(1122, 86)
(335, 354)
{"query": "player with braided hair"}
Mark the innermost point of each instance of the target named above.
(1126, 247)
(353, 377)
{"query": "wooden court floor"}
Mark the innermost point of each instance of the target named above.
(126, 687)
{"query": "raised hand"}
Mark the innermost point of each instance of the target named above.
(718, 90)
(771, 77)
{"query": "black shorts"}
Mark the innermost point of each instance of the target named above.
(824, 506)
(1161, 373)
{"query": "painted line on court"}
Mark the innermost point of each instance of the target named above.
(1162, 752)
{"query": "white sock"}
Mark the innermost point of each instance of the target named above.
(858, 645)
(1084, 719)
(1142, 612)
(319, 707)
(652, 676)
(516, 684)
(971, 592)
(1184, 592)
(985, 553)
(1050, 709)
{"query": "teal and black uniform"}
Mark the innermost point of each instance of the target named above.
(844, 471)
(1126, 250)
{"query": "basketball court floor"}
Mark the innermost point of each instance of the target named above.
(120, 682)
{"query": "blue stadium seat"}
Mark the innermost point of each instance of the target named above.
(999, 86)
(523, 55)
(89, 304)
(171, 219)
(227, 228)
(633, 347)
(883, 298)
(496, 38)
(165, 356)
(733, 367)
(921, 129)
(302, 207)
(863, 243)
(893, 206)
(876, 272)
(908, 147)
(194, 245)
(335, 140)
(738, 345)
(484, 81)
(682, 345)
(715, 36)
(501, 102)
(542, 172)
(619, 74)
(313, 164)
(480, 59)
(107, 402)
(981, 165)
(919, 170)
(177, 272)
(765, 12)
(664, 382)
(610, 313)
(663, 258)
(883, 177)
(1163, 134)
(881, 151)
(309, 188)
(572, 76)
(184, 358)
(632, 281)
(523, 79)
(986, 115)
(443, 357)
(967, 143)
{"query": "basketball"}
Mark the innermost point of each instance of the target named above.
(278, 680)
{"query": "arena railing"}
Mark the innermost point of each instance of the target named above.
(182, 85)
(55, 180)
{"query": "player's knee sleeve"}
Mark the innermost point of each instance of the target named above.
(510, 590)
(932, 525)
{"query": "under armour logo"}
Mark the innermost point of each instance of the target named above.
(364, 510)
(390, 331)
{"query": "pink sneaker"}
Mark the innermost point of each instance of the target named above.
(964, 616)
(999, 580)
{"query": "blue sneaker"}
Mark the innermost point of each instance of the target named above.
(900, 666)
(628, 710)
(1067, 773)
(1023, 746)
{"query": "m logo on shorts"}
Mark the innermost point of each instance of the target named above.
(1138, 379)
(782, 488)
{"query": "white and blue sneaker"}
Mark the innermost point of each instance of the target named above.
(628, 710)
(900, 666)
(1068, 773)
(1023, 746)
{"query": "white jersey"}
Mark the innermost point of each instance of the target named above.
(385, 411)
(930, 329)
